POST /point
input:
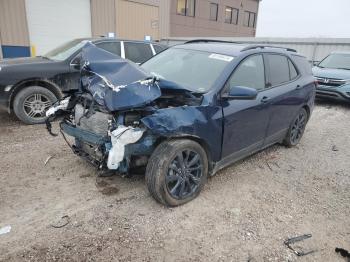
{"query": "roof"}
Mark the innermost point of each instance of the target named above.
(341, 52)
(105, 39)
(228, 48)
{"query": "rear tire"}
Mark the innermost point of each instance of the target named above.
(296, 129)
(176, 172)
(31, 103)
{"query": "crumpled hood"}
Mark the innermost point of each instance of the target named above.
(115, 83)
(331, 73)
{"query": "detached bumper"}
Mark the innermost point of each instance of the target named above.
(83, 135)
(90, 146)
(99, 150)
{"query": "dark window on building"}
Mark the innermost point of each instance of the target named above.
(214, 11)
(158, 48)
(249, 19)
(186, 7)
(292, 70)
(279, 69)
(231, 15)
(113, 47)
(235, 14)
(250, 73)
(137, 52)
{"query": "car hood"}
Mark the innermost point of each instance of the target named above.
(116, 83)
(24, 60)
(331, 73)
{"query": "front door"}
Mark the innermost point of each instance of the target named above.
(245, 121)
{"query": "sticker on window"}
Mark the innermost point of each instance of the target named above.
(225, 58)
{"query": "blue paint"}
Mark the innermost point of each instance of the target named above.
(113, 81)
(15, 51)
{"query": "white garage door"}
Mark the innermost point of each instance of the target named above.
(54, 22)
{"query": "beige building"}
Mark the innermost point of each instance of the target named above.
(169, 18)
(29, 27)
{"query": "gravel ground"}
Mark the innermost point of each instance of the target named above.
(244, 213)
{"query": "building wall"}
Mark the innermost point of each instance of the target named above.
(103, 17)
(135, 19)
(52, 23)
(13, 28)
(201, 25)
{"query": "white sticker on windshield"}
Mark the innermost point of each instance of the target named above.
(225, 58)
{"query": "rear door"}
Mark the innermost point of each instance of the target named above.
(245, 121)
(283, 88)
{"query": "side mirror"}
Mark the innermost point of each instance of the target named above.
(315, 63)
(241, 92)
(75, 63)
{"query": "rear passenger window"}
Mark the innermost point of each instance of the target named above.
(250, 73)
(292, 71)
(112, 47)
(158, 48)
(302, 64)
(137, 52)
(279, 69)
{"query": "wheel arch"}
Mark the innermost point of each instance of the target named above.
(45, 83)
(197, 139)
(308, 111)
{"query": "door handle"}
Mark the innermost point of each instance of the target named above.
(265, 99)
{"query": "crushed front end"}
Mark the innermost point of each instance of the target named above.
(110, 118)
(114, 141)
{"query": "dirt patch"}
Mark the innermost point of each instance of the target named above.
(244, 213)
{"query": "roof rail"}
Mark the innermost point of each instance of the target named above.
(267, 46)
(208, 41)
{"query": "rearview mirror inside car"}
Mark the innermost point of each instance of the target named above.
(241, 92)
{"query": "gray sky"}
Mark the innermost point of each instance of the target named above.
(304, 18)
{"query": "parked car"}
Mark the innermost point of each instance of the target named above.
(187, 112)
(333, 77)
(29, 86)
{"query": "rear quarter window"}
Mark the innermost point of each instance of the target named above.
(302, 64)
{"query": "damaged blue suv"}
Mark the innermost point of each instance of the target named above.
(187, 112)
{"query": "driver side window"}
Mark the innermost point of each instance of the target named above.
(250, 73)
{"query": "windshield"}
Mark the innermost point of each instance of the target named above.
(66, 50)
(337, 61)
(191, 69)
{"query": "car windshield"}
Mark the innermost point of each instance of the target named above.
(191, 69)
(66, 50)
(337, 61)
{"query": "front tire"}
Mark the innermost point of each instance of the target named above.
(177, 171)
(31, 103)
(296, 129)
